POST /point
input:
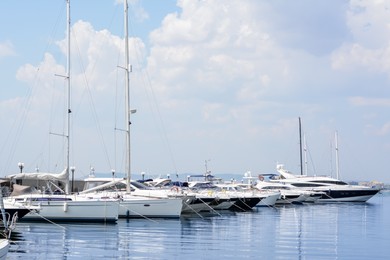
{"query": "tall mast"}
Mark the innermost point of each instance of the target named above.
(127, 94)
(337, 156)
(300, 145)
(68, 87)
(305, 152)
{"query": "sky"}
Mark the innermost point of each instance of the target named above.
(216, 83)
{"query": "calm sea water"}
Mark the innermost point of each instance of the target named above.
(318, 231)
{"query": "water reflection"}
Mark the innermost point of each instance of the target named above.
(327, 231)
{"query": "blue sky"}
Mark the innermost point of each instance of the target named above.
(223, 81)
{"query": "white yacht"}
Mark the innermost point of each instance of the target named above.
(54, 204)
(140, 202)
(288, 193)
(333, 190)
(240, 190)
(208, 196)
(216, 199)
(200, 201)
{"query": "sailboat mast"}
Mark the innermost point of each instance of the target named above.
(337, 156)
(127, 94)
(68, 90)
(300, 145)
(305, 152)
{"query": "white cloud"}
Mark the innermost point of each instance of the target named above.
(364, 101)
(231, 78)
(354, 56)
(369, 24)
(6, 49)
(140, 13)
(95, 81)
(385, 129)
(215, 47)
(252, 75)
(217, 113)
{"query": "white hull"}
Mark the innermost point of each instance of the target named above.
(188, 199)
(138, 207)
(291, 198)
(71, 210)
(313, 198)
(190, 203)
(4, 247)
(288, 193)
(269, 200)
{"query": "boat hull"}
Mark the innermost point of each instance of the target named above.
(197, 205)
(73, 211)
(269, 200)
(347, 195)
(151, 208)
(4, 247)
(292, 199)
(244, 204)
(21, 211)
(225, 204)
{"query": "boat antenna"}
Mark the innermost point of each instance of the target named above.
(207, 170)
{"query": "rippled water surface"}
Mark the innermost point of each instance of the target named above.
(316, 231)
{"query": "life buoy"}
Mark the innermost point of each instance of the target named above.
(175, 188)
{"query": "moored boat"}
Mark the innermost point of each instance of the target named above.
(333, 190)
(58, 204)
(136, 204)
(54, 204)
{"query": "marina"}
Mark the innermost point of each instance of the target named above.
(47, 213)
(309, 231)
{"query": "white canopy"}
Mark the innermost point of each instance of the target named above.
(21, 190)
(63, 176)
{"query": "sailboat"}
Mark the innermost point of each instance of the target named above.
(63, 206)
(131, 205)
